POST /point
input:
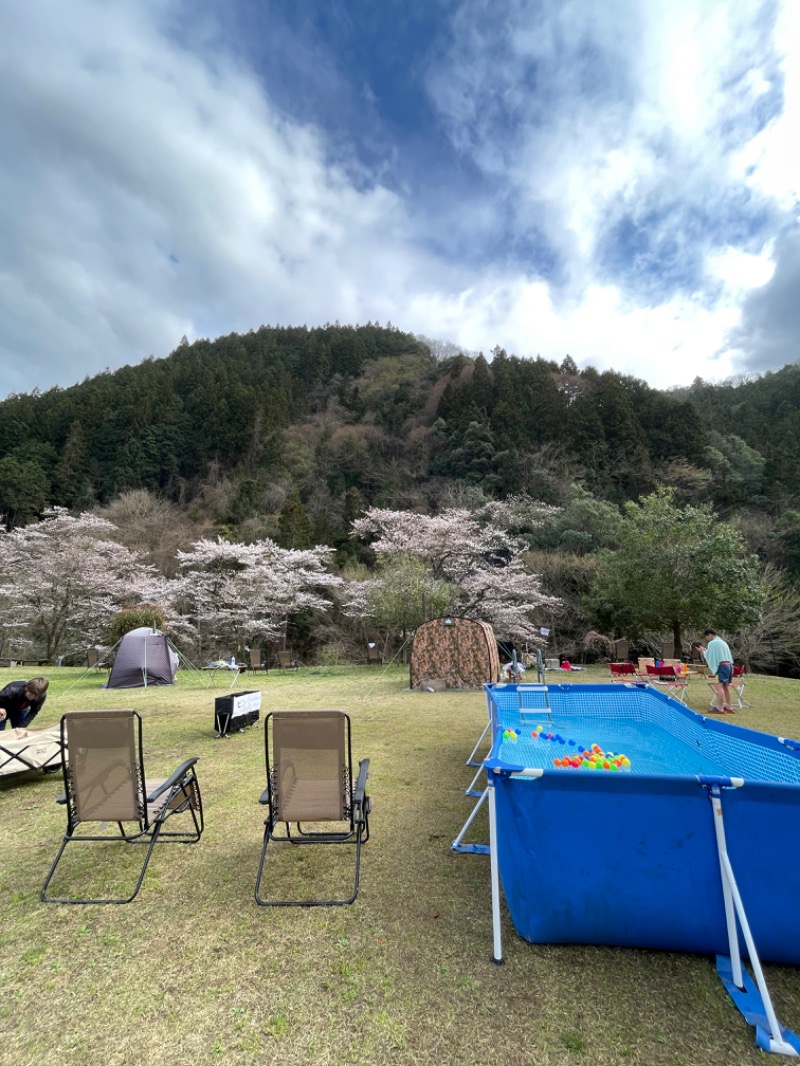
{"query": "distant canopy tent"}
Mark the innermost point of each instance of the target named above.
(144, 657)
(460, 652)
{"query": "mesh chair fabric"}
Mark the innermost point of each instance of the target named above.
(310, 773)
(104, 764)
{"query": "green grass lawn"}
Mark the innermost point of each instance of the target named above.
(193, 972)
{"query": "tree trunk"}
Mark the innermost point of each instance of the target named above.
(676, 639)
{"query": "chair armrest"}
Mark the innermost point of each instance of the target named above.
(265, 795)
(361, 783)
(61, 799)
(173, 779)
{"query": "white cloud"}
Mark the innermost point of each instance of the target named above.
(742, 271)
(163, 195)
(149, 188)
(669, 142)
(768, 333)
(667, 345)
(770, 162)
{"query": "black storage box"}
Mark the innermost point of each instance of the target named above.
(235, 711)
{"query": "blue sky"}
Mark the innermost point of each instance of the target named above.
(616, 181)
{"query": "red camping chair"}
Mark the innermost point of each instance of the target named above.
(624, 673)
(736, 687)
(668, 677)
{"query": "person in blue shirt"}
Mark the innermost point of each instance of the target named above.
(720, 662)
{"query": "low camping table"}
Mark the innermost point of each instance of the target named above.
(232, 672)
(30, 749)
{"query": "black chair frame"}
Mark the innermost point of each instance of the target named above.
(180, 792)
(357, 812)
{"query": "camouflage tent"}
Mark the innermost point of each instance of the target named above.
(454, 653)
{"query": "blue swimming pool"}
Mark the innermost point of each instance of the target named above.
(630, 856)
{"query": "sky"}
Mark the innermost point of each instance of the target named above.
(616, 181)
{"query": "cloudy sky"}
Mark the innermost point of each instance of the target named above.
(619, 181)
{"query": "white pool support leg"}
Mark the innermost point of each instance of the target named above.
(475, 749)
(734, 900)
(727, 895)
(470, 820)
(471, 790)
(497, 950)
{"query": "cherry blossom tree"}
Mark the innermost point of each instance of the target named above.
(62, 579)
(473, 553)
(237, 593)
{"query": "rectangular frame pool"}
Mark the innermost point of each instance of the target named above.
(631, 858)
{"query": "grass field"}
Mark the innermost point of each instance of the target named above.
(193, 972)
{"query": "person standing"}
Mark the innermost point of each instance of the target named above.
(21, 701)
(720, 662)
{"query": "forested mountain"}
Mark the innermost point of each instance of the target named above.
(291, 432)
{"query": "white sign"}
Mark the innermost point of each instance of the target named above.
(544, 632)
(248, 701)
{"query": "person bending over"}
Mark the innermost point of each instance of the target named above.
(21, 701)
(720, 662)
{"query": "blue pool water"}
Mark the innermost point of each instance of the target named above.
(650, 748)
(659, 735)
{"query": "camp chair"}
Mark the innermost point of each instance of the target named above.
(285, 661)
(310, 781)
(374, 656)
(255, 661)
(96, 661)
(623, 673)
(736, 686)
(668, 677)
(105, 782)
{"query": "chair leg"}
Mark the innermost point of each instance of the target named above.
(52, 870)
(741, 701)
(157, 834)
(77, 840)
(358, 838)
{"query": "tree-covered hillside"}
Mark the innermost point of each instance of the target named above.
(292, 432)
(281, 440)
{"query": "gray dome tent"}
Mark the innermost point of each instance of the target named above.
(144, 657)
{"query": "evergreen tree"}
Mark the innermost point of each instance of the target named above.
(294, 525)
